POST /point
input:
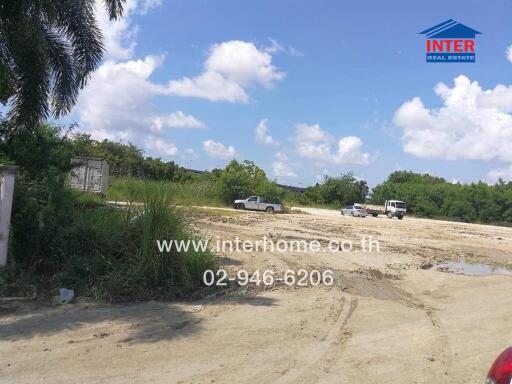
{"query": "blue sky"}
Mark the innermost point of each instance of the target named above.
(331, 85)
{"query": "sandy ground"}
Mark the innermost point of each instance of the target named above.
(388, 317)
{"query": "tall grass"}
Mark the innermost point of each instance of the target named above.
(160, 220)
(191, 192)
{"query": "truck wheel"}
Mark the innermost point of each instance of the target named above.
(269, 210)
(390, 215)
(375, 214)
(240, 206)
(400, 217)
(342, 214)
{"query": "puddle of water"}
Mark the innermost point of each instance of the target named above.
(472, 269)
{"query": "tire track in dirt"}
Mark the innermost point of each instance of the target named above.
(385, 289)
(295, 361)
(327, 351)
(441, 356)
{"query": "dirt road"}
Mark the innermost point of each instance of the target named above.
(391, 316)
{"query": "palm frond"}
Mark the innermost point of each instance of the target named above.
(48, 50)
(65, 87)
(31, 77)
(78, 23)
(115, 8)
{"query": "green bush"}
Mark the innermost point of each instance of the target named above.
(424, 207)
(460, 209)
(241, 180)
(333, 192)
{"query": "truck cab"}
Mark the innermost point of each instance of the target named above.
(395, 208)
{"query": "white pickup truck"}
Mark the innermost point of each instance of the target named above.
(258, 204)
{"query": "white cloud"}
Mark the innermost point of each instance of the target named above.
(211, 86)
(118, 96)
(472, 124)
(161, 147)
(349, 151)
(281, 166)
(262, 135)
(177, 119)
(218, 150)
(117, 104)
(314, 143)
(509, 53)
(230, 68)
(243, 63)
(503, 173)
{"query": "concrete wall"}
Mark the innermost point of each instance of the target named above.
(7, 176)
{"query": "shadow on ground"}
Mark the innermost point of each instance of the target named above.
(141, 322)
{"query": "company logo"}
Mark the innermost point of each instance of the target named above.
(450, 42)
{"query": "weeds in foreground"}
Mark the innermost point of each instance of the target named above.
(108, 253)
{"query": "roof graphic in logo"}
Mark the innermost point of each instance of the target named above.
(450, 42)
(450, 29)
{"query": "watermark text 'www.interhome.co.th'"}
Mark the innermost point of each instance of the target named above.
(364, 244)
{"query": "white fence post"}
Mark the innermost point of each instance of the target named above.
(7, 176)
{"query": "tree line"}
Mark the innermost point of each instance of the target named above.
(425, 195)
(430, 196)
